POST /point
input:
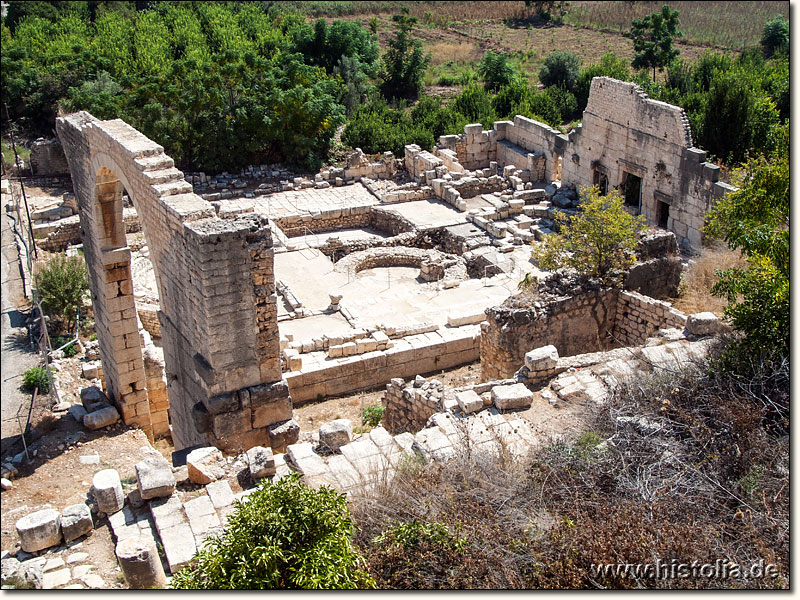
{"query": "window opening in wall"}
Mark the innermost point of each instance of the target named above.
(663, 214)
(632, 186)
(601, 181)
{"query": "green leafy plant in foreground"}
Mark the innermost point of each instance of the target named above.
(37, 377)
(286, 536)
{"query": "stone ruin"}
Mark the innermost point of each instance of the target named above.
(228, 370)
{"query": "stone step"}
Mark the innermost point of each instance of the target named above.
(155, 162)
(173, 188)
(158, 177)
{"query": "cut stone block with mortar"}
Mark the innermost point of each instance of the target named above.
(155, 478)
(506, 397)
(205, 465)
(335, 434)
(469, 401)
(101, 418)
(705, 323)
(39, 530)
(260, 462)
(541, 359)
(107, 490)
(76, 520)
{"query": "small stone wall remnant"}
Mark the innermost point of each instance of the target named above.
(47, 158)
(408, 407)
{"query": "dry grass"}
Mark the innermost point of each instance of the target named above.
(456, 52)
(695, 292)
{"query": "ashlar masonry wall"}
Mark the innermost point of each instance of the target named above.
(218, 314)
(624, 132)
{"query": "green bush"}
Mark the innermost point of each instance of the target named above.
(286, 536)
(37, 377)
(61, 284)
(371, 415)
(561, 67)
(404, 62)
(775, 37)
(70, 350)
(496, 69)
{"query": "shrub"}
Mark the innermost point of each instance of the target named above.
(61, 284)
(560, 67)
(37, 377)
(287, 536)
(496, 70)
(404, 62)
(775, 37)
(70, 350)
(599, 241)
(371, 415)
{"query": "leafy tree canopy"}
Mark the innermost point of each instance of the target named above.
(653, 37)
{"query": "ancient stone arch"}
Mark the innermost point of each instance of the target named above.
(215, 279)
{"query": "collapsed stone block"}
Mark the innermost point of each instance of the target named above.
(76, 520)
(542, 359)
(39, 530)
(205, 465)
(101, 418)
(283, 434)
(335, 434)
(107, 490)
(705, 323)
(91, 395)
(140, 563)
(155, 479)
(469, 401)
(507, 397)
(260, 462)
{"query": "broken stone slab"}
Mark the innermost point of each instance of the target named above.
(107, 490)
(54, 579)
(201, 514)
(705, 323)
(39, 530)
(542, 359)
(205, 465)
(220, 493)
(101, 418)
(155, 478)
(469, 401)
(283, 434)
(260, 462)
(305, 460)
(335, 434)
(53, 564)
(179, 546)
(506, 397)
(92, 395)
(76, 520)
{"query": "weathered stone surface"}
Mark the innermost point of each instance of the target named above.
(155, 479)
(39, 530)
(705, 323)
(542, 359)
(334, 434)
(101, 418)
(283, 434)
(179, 546)
(54, 579)
(205, 465)
(469, 401)
(140, 563)
(76, 520)
(107, 490)
(21, 575)
(220, 493)
(77, 412)
(260, 462)
(202, 516)
(92, 395)
(506, 397)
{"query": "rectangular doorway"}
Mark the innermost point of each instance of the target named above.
(662, 214)
(633, 191)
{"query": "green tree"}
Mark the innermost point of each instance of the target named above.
(404, 62)
(561, 67)
(286, 536)
(599, 241)
(775, 37)
(496, 70)
(61, 285)
(548, 9)
(653, 38)
(610, 66)
(755, 220)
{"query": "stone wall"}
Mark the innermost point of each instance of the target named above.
(47, 159)
(56, 237)
(593, 321)
(408, 407)
(148, 315)
(573, 325)
(625, 132)
(216, 288)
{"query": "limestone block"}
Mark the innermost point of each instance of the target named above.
(76, 520)
(107, 490)
(202, 516)
(283, 434)
(92, 395)
(101, 418)
(179, 546)
(77, 412)
(140, 563)
(305, 460)
(705, 323)
(205, 465)
(541, 359)
(506, 397)
(336, 433)
(39, 530)
(469, 401)
(155, 478)
(220, 493)
(260, 462)
(268, 408)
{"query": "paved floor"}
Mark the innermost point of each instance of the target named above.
(428, 213)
